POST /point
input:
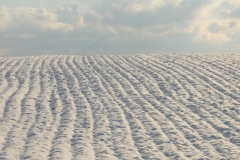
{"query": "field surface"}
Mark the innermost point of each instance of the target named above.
(135, 107)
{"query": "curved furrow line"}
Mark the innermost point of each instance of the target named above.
(171, 74)
(17, 135)
(213, 76)
(9, 84)
(221, 127)
(210, 103)
(231, 58)
(153, 58)
(229, 109)
(123, 146)
(38, 143)
(82, 139)
(151, 125)
(5, 67)
(61, 145)
(176, 137)
(232, 72)
(209, 81)
(180, 124)
(214, 107)
(220, 67)
(231, 76)
(6, 122)
(206, 91)
(231, 135)
(142, 140)
(231, 65)
(168, 79)
(102, 135)
(13, 107)
(183, 111)
(54, 104)
(3, 59)
(113, 90)
(122, 141)
(170, 82)
(5, 62)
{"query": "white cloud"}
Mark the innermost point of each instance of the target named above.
(112, 30)
(138, 5)
(5, 18)
(58, 26)
(80, 22)
(217, 22)
(37, 17)
(32, 15)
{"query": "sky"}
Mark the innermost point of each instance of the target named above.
(104, 27)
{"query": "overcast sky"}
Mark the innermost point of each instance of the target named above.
(30, 27)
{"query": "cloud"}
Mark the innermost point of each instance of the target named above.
(120, 27)
(138, 5)
(214, 28)
(57, 26)
(5, 18)
(36, 17)
(32, 15)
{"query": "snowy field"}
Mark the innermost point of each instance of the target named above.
(178, 106)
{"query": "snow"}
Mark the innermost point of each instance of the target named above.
(172, 106)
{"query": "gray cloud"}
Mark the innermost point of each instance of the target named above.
(214, 28)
